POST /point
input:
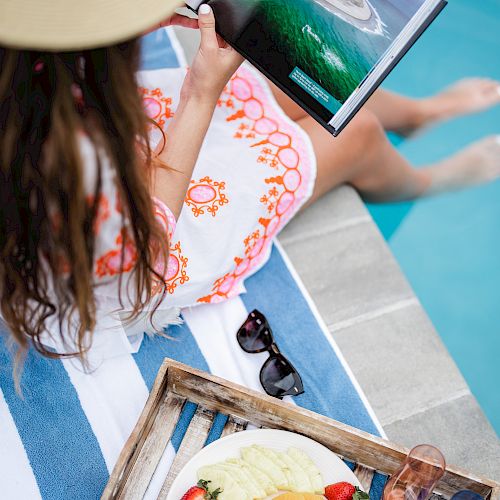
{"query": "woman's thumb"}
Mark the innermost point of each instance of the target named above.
(206, 22)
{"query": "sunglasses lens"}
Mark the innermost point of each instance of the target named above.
(254, 335)
(279, 378)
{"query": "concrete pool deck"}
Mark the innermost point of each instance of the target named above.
(407, 374)
(409, 378)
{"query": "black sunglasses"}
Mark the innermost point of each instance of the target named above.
(278, 376)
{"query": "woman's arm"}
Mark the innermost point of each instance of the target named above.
(212, 67)
(185, 136)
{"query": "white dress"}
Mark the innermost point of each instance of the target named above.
(255, 170)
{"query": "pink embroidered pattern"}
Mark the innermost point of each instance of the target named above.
(176, 268)
(110, 264)
(157, 107)
(165, 217)
(176, 271)
(275, 140)
(206, 195)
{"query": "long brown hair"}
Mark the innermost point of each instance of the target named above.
(46, 100)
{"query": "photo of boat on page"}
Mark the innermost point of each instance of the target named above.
(320, 50)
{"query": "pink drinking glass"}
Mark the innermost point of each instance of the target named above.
(417, 477)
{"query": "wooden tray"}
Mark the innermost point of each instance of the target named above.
(176, 384)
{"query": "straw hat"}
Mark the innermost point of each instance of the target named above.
(63, 25)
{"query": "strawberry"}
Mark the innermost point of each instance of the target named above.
(194, 493)
(201, 492)
(344, 491)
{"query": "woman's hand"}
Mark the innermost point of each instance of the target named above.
(213, 65)
(175, 20)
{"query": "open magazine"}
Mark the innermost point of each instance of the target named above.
(329, 56)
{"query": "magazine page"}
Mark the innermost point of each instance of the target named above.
(319, 50)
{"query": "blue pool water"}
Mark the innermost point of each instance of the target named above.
(449, 246)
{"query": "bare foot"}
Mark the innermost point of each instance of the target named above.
(477, 164)
(467, 96)
(464, 97)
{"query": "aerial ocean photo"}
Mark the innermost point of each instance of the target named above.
(334, 42)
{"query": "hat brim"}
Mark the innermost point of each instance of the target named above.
(64, 25)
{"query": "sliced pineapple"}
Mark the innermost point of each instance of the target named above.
(267, 465)
(263, 471)
(262, 478)
(244, 478)
(299, 475)
(276, 459)
(309, 466)
(230, 489)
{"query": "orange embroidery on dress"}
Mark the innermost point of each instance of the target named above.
(103, 212)
(112, 262)
(268, 157)
(228, 103)
(276, 152)
(176, 271)
(270, 199)
(162, 218)
(206, 194)
(157, 107)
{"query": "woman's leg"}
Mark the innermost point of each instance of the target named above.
(363, 157)
(405, 115)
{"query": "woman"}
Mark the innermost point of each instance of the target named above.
(83, 243)
(91, 190)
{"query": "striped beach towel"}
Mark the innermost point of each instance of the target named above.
(63, 437)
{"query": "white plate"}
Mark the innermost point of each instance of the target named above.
(331, 466)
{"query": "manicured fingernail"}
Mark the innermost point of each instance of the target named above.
(498, 139)
(498, 90)
(204, 9)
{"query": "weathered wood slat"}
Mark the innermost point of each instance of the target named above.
(435, 496)
(352, 443)
(233, 425)
(153, 448)
(263, 410)
(192, 443)
(138, 436)
(143, 450)
(365, 476)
